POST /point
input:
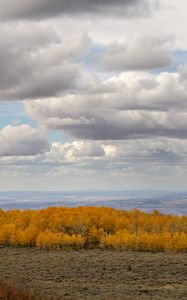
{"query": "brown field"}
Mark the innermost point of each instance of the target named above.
(96, 274)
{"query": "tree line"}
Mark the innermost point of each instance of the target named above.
(93, 227)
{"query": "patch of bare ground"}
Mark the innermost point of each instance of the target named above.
(96, 274)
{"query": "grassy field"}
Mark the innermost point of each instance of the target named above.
(96, 274)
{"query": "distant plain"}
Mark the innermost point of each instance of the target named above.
(167, 202)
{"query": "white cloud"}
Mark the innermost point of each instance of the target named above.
(21, 140)
(75, 151)
(162, 150)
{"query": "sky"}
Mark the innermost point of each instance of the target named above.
(93, 95)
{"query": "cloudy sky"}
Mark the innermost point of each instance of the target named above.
(93, 94)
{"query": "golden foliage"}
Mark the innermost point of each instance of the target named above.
(91, 227)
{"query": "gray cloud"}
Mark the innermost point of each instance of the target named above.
(38, 9)
(36, 63)
(110, 124)
(21, 140)
(142, 53)
(139, 105)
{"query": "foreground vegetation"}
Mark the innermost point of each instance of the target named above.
(91, 227)
(10, 291)
(95, 274)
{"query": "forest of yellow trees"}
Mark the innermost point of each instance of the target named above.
(91, 227)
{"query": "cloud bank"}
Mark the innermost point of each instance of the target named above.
(128, 106)
(42, 9)
(104, 87)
